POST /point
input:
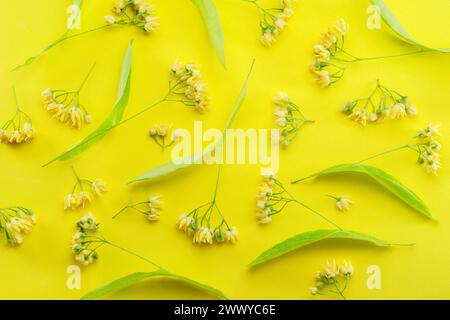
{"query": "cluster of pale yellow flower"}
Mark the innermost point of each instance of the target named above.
(15, 222)
(134, 12)
(428, 148)
(79, 197)
(18, 129)
(161, 135)
(65, 107)
(330, 44)
(186, 81)
(333, 279)
(289, 118)
(273, 21)
(198, 226)
(83, 239)
(391, 104)
(150, 209)
(268, 198)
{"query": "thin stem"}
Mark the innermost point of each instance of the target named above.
(87, 77)
(134, 254)
(383, 153)
(76, 175)
(394, 55)
(17, 100)
(64, 38)
(121, 210)
(217, 183)
(317, 213)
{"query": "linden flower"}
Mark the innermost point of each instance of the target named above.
(201, 230)
(273, 21)
(82, 198)
(342, 202)
(155, 205)
(428, 148)
(390, 104)
(84, 238)
(18, 129)
(330, 44)
(65, 105)
(185, 80)
(150, 208)
(288, 117)
(15, 222)
(333, 276)
(272, 198)
(134, 12)
(87, 222)
(99, 187)
(161, 135)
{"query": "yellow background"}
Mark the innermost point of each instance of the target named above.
(37, 269)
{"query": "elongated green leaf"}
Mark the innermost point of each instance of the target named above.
(384, 179)
(134, 278)
(307, 238)
(113, 118)
(171, 167)
(211, 17)
(391, 20)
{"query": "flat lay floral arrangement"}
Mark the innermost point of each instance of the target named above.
(93, 206)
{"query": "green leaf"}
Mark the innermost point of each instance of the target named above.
(134, 278)
(171, 167)
(211, 17)
(387, 181)
(113, 119)
(307, 238)
(391, 20)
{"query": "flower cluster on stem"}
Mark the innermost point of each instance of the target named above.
(380, 105)
(87, 240)
(84, 246)
(206, 224)
(333, 279)
(80, 197)
(150, 208)
(273, 21)
(15, 222)
(272, 198)
(134, 12)
(331, 43)
(161, 135)
(65, 105)
(187, 86)
(288, 117)
(18, 129)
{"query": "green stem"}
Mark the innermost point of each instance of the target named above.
(121, 211)
(383, 153)
(135, 254)
(317, 213)
(394, 55)
(87, 77)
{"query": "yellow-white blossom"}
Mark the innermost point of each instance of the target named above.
(186, 81)
(273, 21)
(17, 130)
(134, 12)
(99, 187)
(288, 118)
(15, 222)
